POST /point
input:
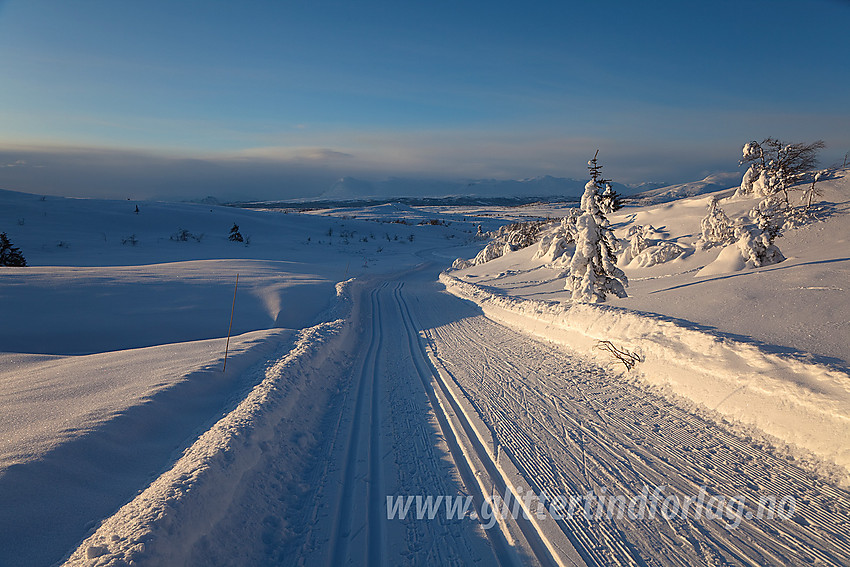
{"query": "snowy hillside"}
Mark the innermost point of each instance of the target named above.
(665, 194)
(767, 346)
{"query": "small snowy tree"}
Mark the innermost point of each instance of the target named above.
(754, 155)
(756, 232)
(593, 268)
(716, 227)
(10, 255)
(235, 235)
(637, 240)
(554, 246)
(756, 245)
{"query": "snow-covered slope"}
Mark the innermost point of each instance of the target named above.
(767, 346)
(711, 184)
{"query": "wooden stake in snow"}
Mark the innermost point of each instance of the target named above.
(232, 307)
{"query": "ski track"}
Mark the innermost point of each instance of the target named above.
(482, 463)
(543, 404)
(363, 428)
(439, 400)
(395, 446)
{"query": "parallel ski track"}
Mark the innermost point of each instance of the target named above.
(427, 373)
(365, 426)
(542, 411)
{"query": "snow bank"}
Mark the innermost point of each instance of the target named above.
(160, 526)
(801, 403)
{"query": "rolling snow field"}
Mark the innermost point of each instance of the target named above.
(381, 408)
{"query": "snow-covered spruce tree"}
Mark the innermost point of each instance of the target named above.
(637, 239)
(593, 268)
(756, 232)
(10, 255)
(716, 228)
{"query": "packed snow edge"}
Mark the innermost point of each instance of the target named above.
(163, 522)
(801, 403)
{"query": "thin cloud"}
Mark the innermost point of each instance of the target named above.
(287, 154)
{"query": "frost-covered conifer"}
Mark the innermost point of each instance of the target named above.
(755, 238)
(637, 239)
(554, 246)
(593, 268)
(716, 227)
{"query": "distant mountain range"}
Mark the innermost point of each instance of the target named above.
(350, 191)
(350, 188)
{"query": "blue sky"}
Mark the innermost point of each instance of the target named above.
(278, 99)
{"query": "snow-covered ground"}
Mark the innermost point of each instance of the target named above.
(767, 346)
(353, 379)
(112, 339)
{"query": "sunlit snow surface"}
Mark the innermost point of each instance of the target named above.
(119, 426)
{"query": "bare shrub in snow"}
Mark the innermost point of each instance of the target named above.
(593, 270)
(629, 359)
(183, 235)
(716, 228)
(812, 189)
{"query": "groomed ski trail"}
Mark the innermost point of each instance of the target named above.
(571, 427)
